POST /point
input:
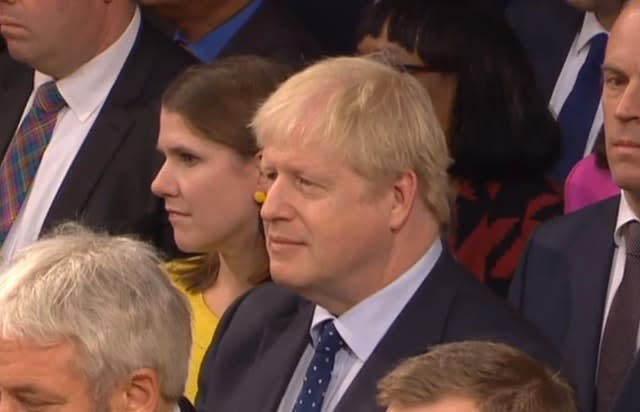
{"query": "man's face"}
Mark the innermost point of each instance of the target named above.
(621, 100)
(327, 229)
(41, 33)
(447, 404)
(43, 379)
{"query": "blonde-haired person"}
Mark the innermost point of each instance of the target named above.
(208, 181)
(474, 376)
(357, 198)
(91, 323)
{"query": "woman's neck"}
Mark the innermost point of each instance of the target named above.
(240, 269)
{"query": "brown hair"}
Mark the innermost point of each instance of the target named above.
(218, 101)
(498, 378)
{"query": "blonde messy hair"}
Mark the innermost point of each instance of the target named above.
(378, 119)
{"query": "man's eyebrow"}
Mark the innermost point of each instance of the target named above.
(34, 392)
(609, 67)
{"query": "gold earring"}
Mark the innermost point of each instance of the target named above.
(260, 197)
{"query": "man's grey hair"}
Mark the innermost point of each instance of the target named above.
(110, 297)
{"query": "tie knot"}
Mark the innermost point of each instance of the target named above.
(48, 98)
(632, 239)
(329, 339)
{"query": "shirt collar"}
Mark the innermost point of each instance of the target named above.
(625, 215)
(364, 325)
(86, 89)
(590, 27)
(210, 46)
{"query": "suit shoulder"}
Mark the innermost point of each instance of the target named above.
(271, 300)
(565, 229)
(169, 54)
(477, 313)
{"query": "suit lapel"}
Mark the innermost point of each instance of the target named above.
(590, 267)
(628, 399)
(428, 307)
(281, 346)
(105, 137)
(16, 84)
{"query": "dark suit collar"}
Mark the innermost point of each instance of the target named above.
(282, 344)
(16, 84)
(185, 406)
(429, 308)
(589, 266)
(108, 132)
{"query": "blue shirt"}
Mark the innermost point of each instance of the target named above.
(362, 328)
(210, 46)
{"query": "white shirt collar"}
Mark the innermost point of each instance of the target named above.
(590, 27)
(363, 326)
(86, 89)
(625, 215)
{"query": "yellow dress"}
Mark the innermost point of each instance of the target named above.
(203, 325)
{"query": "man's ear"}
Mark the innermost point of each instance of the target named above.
(404, 190)
(142, 392)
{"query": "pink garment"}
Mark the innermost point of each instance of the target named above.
(587, 184)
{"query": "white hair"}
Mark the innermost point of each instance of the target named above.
(110, 297)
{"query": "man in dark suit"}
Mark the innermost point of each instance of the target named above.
(565, 40)
(212, 29)
(577, 279)
(98, 158)
(356, 170)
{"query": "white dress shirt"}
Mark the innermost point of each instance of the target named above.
(361, 328)
(85, 92)
(572, 65)
(625, 215)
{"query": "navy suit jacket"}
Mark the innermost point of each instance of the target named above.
(546, 29)
(261, 337)
(562, 284)
(275, 32)
(185, 405)
(108, 183)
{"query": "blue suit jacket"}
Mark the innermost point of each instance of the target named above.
(561, 286)
(261, 337)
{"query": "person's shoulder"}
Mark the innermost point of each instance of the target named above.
(270, 300)
(566, 228)
(169, 53)
(477, 313)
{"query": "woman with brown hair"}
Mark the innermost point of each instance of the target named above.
(208, 181)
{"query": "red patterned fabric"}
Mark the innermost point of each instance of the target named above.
(493, 222)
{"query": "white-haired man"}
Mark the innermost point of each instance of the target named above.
(358, 195)
(91, 323)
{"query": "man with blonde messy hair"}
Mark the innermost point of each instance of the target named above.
(91, 323)
(474, 376)
(355, 166)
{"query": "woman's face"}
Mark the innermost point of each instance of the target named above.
(440, 86)
(207, 188)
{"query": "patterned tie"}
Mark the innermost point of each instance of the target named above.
(576, 115)
(318, 375)
(22, 158)
(621, 331)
